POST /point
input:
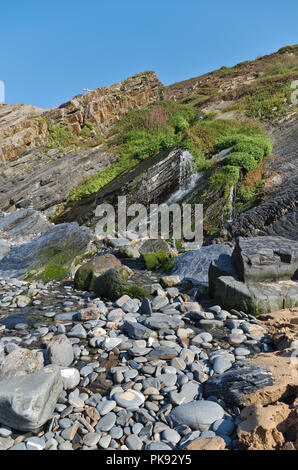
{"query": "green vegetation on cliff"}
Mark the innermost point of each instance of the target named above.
(137, 136)
(143, 133)
(246, 154)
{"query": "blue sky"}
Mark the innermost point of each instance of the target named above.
(50, 50)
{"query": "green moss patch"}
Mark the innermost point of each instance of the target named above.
(158, 261)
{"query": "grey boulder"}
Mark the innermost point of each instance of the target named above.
(28, 401)
(19, 362)
(198, 415)
(60, 351)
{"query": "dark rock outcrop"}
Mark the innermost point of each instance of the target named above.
(88, 272)
(277, 214)
(110, 285)
(149, 182)
(233, 386)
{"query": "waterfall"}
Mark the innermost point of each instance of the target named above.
(187, 178)
(187, 181)
(230, 204)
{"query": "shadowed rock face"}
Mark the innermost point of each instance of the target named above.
(43, 179)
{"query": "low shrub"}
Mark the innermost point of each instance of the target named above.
(62, 138)
(244, 160)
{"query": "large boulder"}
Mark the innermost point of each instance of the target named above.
(198, 415)
(28, 401)
(195, 264)
(88, 272)
(260, 276)
(50, 256)
(266, 259)
(138, 247)
(59, 351)
(254, 298)
(19, 362)
(112, 286)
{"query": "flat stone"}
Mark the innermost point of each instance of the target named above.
(171, 435)
(70, 377)
(76, 402)
(162, 353)
(161, 320)
(19, 446)
(69, 433)
(159, 302)
(35, 443)
(155, 446)
(106, 423)
(106, 406)
(137, 331)
(129, 399)
(242, 352)
(91, 439)
(224, 426)
(133, 442)
(78, 331)
(215, 443)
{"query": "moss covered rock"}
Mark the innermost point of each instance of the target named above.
(159, 261)
(50, 256)
(86, 274)
(111, 285)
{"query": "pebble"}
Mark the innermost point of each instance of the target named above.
(129, 399)
(35, 443)
(107, 422)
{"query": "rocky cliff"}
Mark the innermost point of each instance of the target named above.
(25, 127)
